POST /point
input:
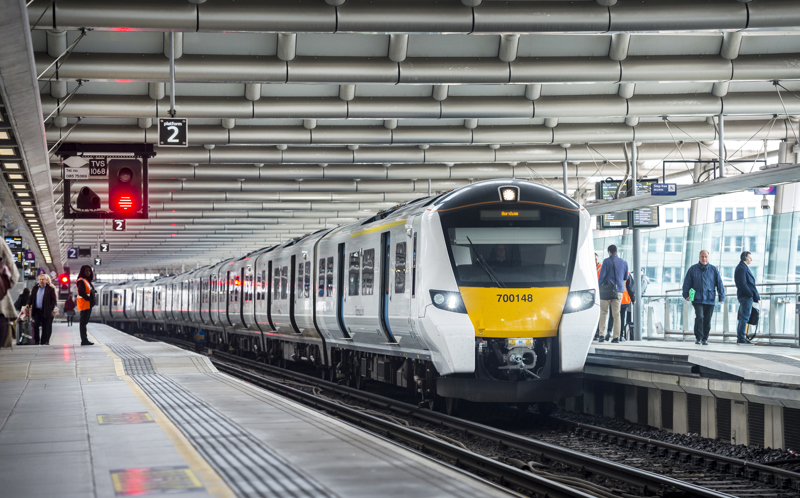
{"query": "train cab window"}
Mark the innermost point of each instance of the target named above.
(300, 267)
(368, 273)
(354, 273)
(400, 268)
(285, 282)
(307, 280)
(321, 278)
(329, 278)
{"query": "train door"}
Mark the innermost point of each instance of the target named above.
(293, 293)
(340, 280)
(401, 290)
(269, 285)
(385, 296)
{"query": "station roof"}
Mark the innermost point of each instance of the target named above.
(307, 116)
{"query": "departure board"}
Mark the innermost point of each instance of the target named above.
(645, 217)
(607, 190)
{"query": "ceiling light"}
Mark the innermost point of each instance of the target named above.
(19, 185)
(27, 209)
(10, 165)
(22, 194)
(26, 203)
(3, 135)
(15, 176)
(6, 152)
(30, 215)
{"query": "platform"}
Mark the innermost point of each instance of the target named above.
(127, 417)
(744, 394)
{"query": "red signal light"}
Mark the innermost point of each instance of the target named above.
(64, 279)
(125, 202)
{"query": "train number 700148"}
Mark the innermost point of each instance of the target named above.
(513, 298)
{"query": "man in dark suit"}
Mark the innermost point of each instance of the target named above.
(747, 294)
(42, 302)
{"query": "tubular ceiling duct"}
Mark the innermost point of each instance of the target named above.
(362, 16)
(436, 70)
(572, 106)
(379, 135)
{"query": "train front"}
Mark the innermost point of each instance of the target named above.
(521, 273)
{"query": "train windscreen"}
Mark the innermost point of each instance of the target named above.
(515, 248)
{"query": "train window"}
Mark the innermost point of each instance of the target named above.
(355, 273)
(300, 279)
(105, 299)
(276, 284)
(307, 281)
(259, 287)
(414, 267)
(368, 272)
(321, 278)
(400, 268)
(250, 287)
(285, 282)
(329, 278)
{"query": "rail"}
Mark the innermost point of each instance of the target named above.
(669, 317)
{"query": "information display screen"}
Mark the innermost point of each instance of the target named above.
(607, 190)
(14, 243)
(645, 217)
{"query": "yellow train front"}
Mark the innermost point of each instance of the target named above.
(515, 308)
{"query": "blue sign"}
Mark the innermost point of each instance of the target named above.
(29, 256)
(72, 253)
(765, 191)
(200, 337)
(42, 271)
(664, 189)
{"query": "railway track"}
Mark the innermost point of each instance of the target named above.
(598, 462)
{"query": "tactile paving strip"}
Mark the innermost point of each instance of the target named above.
(248, 466)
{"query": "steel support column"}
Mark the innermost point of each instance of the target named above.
(564, 174)
(637, 259)
(721, 139)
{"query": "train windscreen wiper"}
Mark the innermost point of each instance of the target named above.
(485, 265)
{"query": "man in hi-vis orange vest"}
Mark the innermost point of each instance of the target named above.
(85, 289)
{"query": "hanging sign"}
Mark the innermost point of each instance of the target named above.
(104, 246)
(98, 261)
(664, 189)
(72, 253)
(118, 225)
(173, 132)
(98, 167)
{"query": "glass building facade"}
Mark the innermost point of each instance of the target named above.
(774, 242)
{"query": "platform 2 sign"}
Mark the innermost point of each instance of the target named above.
(98, 261)
(104, 247)
(664, 189)
(118, 225)
(173, 133)
(72, 253)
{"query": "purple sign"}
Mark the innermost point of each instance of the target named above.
(765, 191)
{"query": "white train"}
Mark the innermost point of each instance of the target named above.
(486, 293)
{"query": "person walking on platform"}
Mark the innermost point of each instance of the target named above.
(613, 275)
(598, 266)
(747, 294)
(69, 310)
(628, 298)
(701, 281)
(42, 303)
(85, 301)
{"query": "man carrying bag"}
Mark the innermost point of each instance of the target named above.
(613, 275)
(747, 294)
(701, 283)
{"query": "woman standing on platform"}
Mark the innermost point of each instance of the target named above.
(85, 300)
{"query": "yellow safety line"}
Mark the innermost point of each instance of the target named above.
(212, 481)
(377, 228)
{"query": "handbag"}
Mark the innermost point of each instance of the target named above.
(754, 316)
(608, 289)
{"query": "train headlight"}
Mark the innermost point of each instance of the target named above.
(579, 301)
(448, 301)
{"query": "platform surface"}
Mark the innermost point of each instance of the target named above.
(757, 363)
(127, 417)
